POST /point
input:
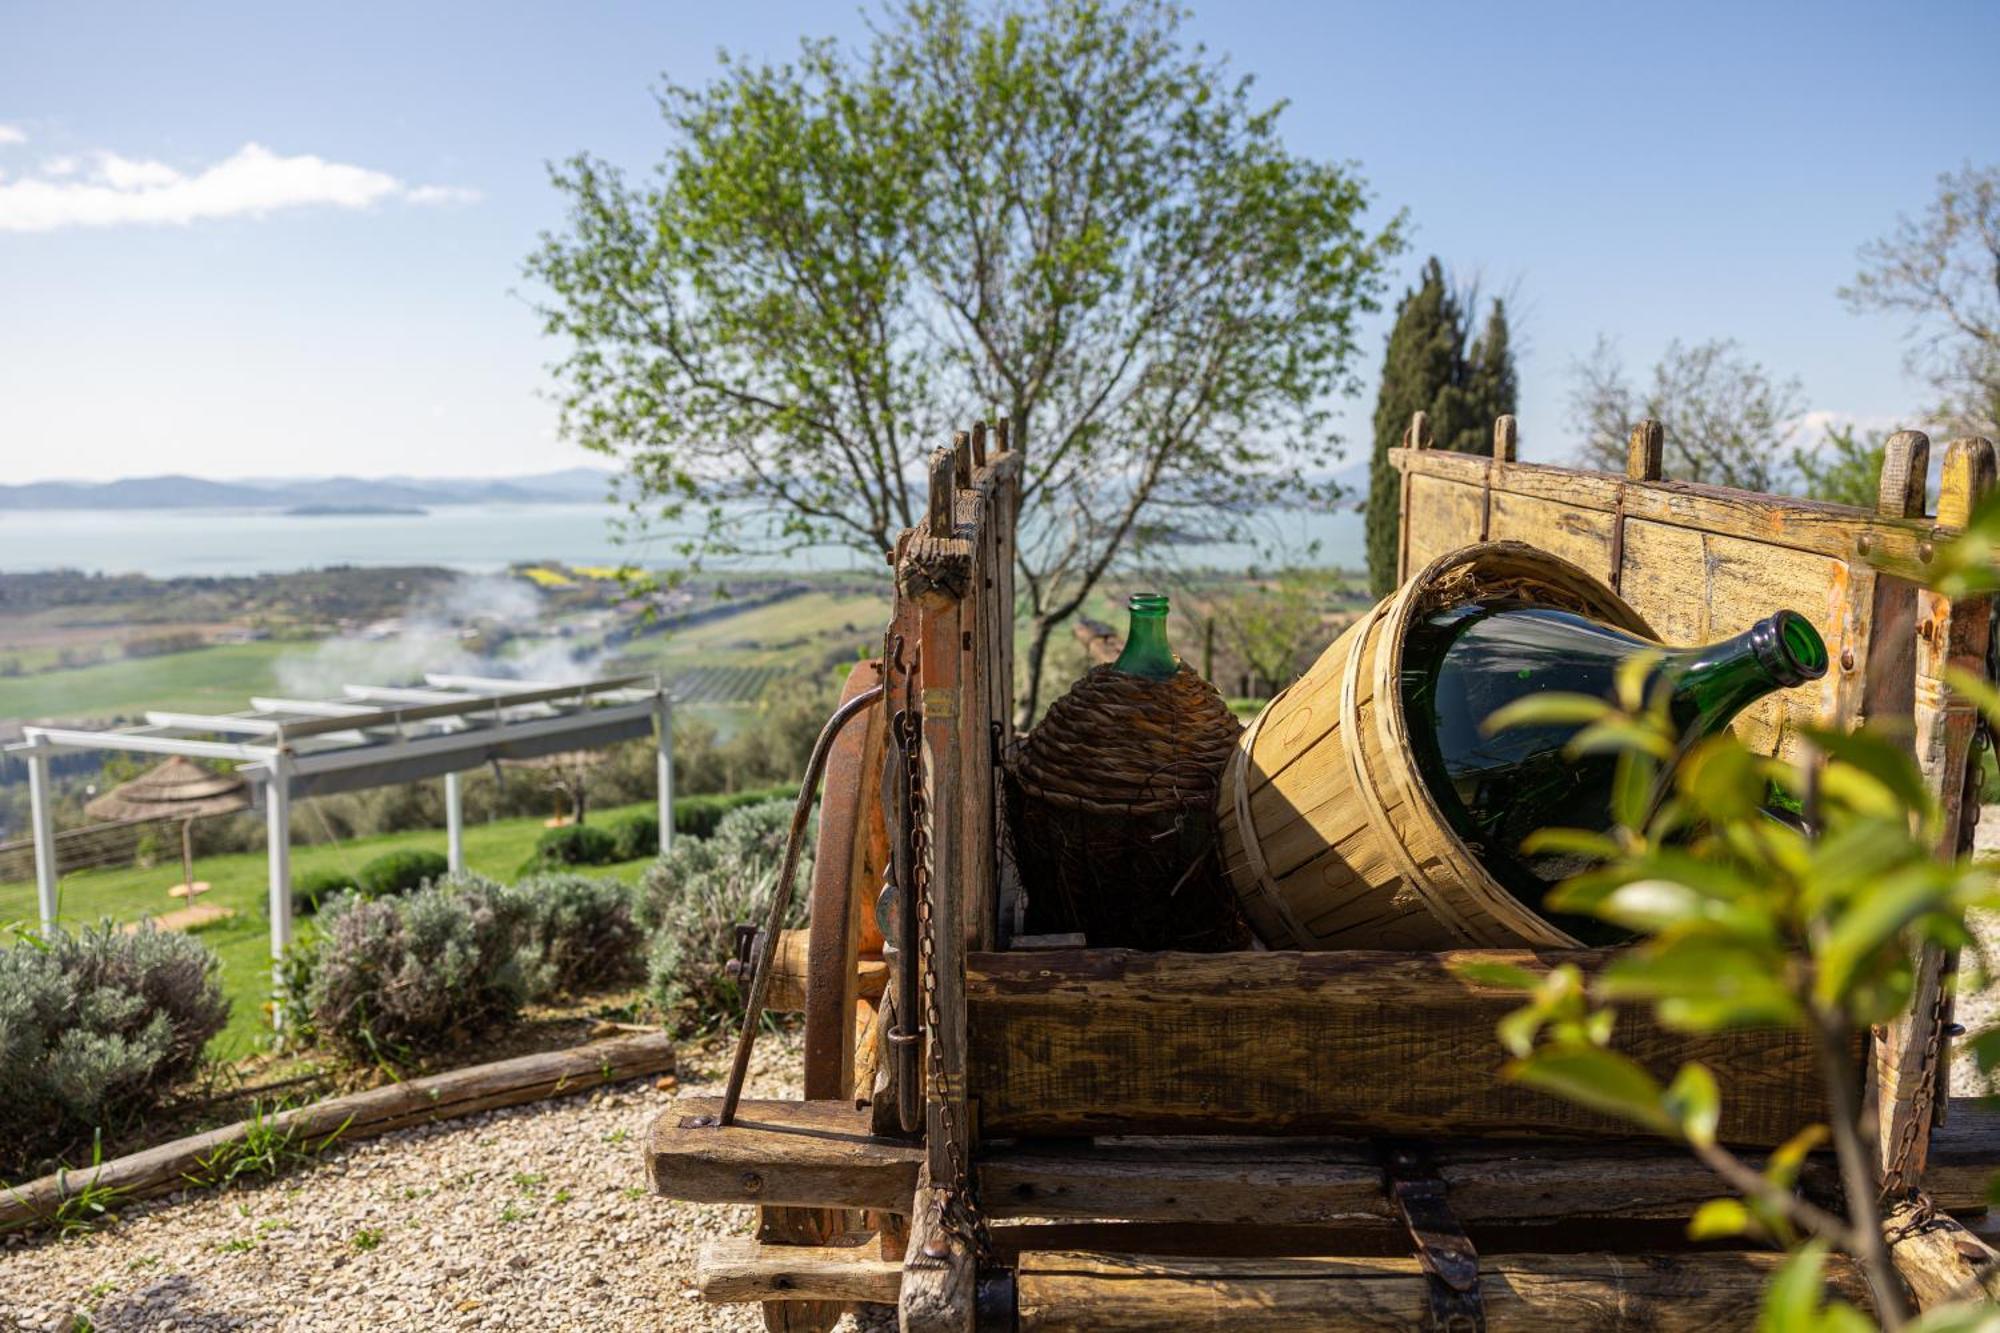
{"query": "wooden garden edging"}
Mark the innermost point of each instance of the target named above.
(419, 1101)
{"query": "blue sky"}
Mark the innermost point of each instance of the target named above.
(1687, 171)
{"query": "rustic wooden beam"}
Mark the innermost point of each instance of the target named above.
(1506, 438)
(1913, 1053)
(809, 1154)
(1939, 1260)
(1579, 1293)
(361, 1115)
(737, 1268)
(1818, 526)
(1903, 491)
(1310, 1183)
(1645, 452)
(940, 1271)
(1115, 1042)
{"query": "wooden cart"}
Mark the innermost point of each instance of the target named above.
(1106, 1139)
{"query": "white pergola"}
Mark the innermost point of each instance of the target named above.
(372, 736)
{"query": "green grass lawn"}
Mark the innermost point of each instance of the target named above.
(244, 941)
(208, 680)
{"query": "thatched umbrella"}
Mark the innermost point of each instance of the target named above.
(178, 789)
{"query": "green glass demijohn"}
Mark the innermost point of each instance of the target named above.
(1146, 652)
(1462, 665)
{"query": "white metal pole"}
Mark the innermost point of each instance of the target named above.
(454, 824)
(278, 843)
(663, 721)
(41, 813)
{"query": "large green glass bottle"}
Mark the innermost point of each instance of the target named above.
(1146, 652)
(1463, 665)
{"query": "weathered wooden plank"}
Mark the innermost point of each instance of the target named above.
(1354, 1042)
(940, 1271)
(737, 1268)
(791, 981)
(1437, 516)
(947, 1125)
(1806, 525)
(1580, 1293)
(808, 1154)
(1939, 1260)
(1913, 1053)
(418, 1101)
(1311, 1183)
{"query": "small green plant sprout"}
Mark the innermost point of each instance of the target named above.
(237, 1245)
(510, 1214)
(268, 1147)
(1747, 917)
(89, 1207)
(366, 1239)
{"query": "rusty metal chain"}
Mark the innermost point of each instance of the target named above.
(955, 1210)
(1897, 1179)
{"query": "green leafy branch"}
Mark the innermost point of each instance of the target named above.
(1746, 919)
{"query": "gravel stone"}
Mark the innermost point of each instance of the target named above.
(537, 1217)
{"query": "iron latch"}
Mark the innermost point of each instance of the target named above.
(1444, 1251)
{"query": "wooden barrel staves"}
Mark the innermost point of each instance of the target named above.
(1327, 832)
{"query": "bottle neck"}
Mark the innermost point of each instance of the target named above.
(1711, 685)
(1146, 651)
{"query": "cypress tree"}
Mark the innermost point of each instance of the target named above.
(1428, 368)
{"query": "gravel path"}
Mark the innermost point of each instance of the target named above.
(535, 1217)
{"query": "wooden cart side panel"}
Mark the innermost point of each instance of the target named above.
(1913, 1054)
(1110, 1042)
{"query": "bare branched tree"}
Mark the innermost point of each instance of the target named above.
(1942, 271)
(1727, 421)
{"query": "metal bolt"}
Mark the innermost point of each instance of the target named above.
(1865, 543)
(752, 1183)
(1925, 552)
(1847, 659)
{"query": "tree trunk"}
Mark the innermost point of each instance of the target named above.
(1038, 651)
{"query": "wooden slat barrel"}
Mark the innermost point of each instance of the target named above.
(1328, 834)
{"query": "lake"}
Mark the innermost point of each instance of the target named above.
(475, 537)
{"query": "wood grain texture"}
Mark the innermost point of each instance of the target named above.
(1913, 1054)
(737, 1268)
(807, 1154)
(940, 1272)
(1645, 451)
(1109, 1042)
(1326, 831)
(1579, 1293)
(1939, 1260)
(418, 1101)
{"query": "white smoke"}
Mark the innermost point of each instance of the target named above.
(432, 636)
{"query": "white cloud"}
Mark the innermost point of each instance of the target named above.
(12, 134)
(60, 166)
(252, 182)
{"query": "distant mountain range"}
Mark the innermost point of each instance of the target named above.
(180, 492)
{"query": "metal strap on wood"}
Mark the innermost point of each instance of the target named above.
(1443, 1250)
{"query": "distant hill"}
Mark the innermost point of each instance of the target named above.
(569, 485)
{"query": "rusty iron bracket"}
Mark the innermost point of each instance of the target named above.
(1444, 1251)
(745, 953)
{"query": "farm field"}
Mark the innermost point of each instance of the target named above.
(216, 679)
(495, 849)
(733, 660)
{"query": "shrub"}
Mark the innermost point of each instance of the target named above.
(394, 977)
(573, 845)
(699, 816)
(634, 836)
(95, 1029)
(315, 888)
(399, 872)
(691, 900)
(581, 930)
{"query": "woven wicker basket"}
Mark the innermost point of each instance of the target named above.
(1111, 803)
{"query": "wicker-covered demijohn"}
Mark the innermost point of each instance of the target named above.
(1111, 804)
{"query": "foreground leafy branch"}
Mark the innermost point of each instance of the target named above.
(1762, 894)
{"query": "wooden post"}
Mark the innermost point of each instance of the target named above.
(978, 444)
(938, 516)
(1645, 451)
(1937, 1258)
(1418, 436)
(961, 459)
(1002, 432)
(940, 1271)
(1906, 466)
(1506, 439)
(1912, 1052)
